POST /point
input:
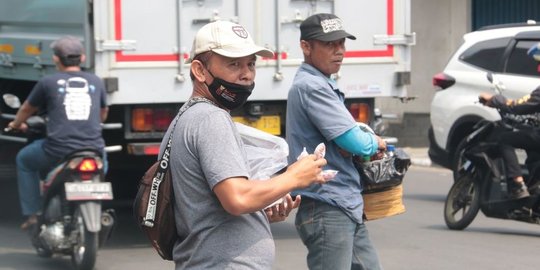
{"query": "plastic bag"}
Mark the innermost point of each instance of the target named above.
(381, 174)
(266, 153)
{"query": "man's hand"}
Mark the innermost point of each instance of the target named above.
(12, 126)
(307, 171)
(281, 211)
(25, 111)
(485, 99)
(381, 143)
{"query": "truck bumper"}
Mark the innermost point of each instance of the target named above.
(144, 149)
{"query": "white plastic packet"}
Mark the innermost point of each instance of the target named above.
(320, 152)
(266, 153)
(329, 174)
(303, 154)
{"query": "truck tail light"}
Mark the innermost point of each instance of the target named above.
(151, 119)
(443, 81)
(141, 119)
(162, 119)
(360, 112)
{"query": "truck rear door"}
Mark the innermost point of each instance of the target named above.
(145, 45)
(27, 29)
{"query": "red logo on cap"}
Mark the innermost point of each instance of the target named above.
(240, 31)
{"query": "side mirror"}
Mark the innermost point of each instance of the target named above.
(497, 85)
(12, 101)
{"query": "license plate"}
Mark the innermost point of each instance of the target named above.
(88, 191)
(270, 124)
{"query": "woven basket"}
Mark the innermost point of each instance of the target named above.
(384, 203)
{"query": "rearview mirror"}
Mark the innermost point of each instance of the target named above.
(498, 86)
(12, 101)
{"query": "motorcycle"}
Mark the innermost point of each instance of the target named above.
(481, 182)
(71, 221)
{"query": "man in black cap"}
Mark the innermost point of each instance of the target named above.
(221, 211)
(330, 217)
(75, 104)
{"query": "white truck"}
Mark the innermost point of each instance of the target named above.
(139, 49)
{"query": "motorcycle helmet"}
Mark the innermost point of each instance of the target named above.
(534, 52)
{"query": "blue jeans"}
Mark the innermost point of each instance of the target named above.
(31, 160)
(334, 240)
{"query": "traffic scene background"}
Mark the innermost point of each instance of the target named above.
(417, 239)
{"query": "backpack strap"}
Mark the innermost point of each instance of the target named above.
(159, 175)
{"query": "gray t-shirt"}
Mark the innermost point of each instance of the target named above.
(316, 114)
(207, 149)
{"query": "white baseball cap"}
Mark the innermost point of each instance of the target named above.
(226, 38)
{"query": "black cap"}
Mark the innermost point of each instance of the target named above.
(323, 27)
(67, 46)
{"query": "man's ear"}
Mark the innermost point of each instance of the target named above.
(306, 47)
(197, 68)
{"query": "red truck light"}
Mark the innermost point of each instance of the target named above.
(141, 119)
(151, 119)
(162, 119)
(361, 112)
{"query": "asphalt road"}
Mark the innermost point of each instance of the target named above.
(417, 239)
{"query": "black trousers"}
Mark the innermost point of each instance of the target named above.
(528, 140)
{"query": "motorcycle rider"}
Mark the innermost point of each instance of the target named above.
(75, 103)
(529, 140)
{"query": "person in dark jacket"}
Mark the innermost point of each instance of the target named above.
(529, 140)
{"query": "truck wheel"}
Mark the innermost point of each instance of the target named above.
(85, 250)
(462, 203)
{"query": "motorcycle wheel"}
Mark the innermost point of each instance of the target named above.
(84, 251)
(462, 203)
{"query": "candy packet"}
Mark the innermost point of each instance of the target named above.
(320, 152)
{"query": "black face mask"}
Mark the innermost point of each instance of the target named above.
(229, 95)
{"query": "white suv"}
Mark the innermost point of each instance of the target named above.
(501, 50)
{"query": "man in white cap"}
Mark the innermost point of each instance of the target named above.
(218, 209)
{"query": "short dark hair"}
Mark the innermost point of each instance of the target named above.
(70, 60)
(204, 58)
